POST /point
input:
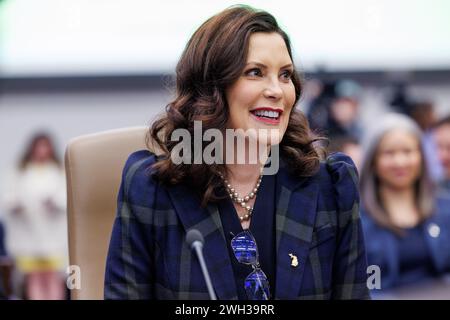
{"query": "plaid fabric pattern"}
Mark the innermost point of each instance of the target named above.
(317, 221)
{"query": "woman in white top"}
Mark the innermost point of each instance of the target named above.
(36, 233)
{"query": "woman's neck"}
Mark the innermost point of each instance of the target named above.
(400, 205)
(243, 177)
(390, 194)
(243, 173)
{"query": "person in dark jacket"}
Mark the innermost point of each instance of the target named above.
(293, 233)
(406, 221)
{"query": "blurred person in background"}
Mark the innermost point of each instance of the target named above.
(4, 272)
(423, 113)
(400, 101)
(441, 134)
(343, 118)
(318, 107)
(35, 220)
(2, 241)
(406, 224)
(349, 146)
(335, 111)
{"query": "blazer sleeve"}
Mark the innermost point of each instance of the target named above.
(350, 262)
(128, 273)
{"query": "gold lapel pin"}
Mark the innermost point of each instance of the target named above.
(294, 260)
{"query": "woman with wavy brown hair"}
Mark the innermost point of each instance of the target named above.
(278, 221)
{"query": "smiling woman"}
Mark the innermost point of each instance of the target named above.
(264, 95)
(236, 65)
(406, 223)
(294, 234)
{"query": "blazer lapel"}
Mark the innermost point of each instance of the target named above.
(295, 217)
(207, 221)
(436, 243)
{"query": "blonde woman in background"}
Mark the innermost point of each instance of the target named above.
(406, 223)
(36, 234)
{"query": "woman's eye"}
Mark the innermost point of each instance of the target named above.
(253, 72)
(287, 74)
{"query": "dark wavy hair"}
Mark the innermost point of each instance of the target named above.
(214, 59)
(35, 139)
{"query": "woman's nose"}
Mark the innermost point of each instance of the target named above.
(273, 89)
(401, 160)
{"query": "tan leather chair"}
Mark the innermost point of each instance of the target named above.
(94, 165)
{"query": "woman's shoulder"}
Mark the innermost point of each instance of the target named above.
(139, 161)
(137, 176)
(443, 197)
(442, 205)
(338, 164)
(339, 173)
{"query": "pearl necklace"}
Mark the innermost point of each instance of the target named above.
(242, 201)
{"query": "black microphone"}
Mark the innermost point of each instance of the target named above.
(195, 241)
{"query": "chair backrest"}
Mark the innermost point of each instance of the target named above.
(94, 165)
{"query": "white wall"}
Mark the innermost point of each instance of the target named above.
(70, 115)
(121, 36)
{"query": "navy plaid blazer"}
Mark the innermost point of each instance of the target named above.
(317, 219)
